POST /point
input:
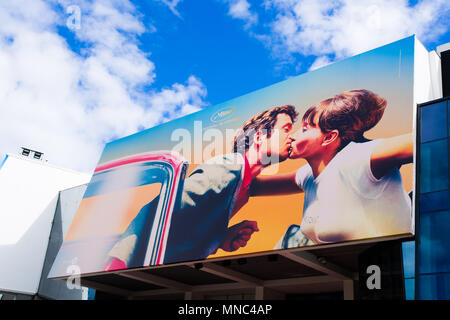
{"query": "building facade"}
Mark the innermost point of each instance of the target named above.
(415, 268)
(429, 276)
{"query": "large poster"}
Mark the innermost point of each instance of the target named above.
(325, 157)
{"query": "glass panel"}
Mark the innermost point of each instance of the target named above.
(434, 287)
(448, 116)
(433, 122)
(409, 289)
(91, 294)
(434, 244)
(127, 176)
(435, 201)
(434, 166)
(408, 249)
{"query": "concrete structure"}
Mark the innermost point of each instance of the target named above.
(68, 202)
(29, 197)
(416, 268)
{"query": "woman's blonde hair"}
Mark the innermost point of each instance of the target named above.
(352, 113)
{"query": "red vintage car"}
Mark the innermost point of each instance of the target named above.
(117, 191)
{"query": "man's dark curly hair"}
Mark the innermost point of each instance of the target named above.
(263, 121)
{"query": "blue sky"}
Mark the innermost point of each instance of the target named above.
(67, 87)
(208, 42)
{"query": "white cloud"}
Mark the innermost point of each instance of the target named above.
(240, 9)
(342, 28)
(68, 105)
(172, 4)
(320, 62)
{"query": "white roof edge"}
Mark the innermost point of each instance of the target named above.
(48, 164)
(442, 48)
(83, 184)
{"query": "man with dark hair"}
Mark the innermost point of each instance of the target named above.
(264, 121)
(213, 193)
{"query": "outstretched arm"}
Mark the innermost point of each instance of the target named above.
(281, 184)
(238, 235)
(391, 153)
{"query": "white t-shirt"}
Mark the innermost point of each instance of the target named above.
(346, 202)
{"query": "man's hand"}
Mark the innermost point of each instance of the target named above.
(238, 235)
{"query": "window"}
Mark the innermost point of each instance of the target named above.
(433, 122)
(408, 250)
(409, 289)
(434, 244)
(434, 166)
(409, 264)
(435, 201)
(448, 116)
(434, 287)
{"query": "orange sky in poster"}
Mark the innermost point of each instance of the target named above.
(275, 214)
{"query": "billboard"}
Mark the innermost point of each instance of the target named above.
(322, 158)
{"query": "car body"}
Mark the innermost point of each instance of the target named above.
(114, 196)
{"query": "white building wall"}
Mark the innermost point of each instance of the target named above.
(427, 75)
(28, 197)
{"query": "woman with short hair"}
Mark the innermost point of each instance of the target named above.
(353, 187)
